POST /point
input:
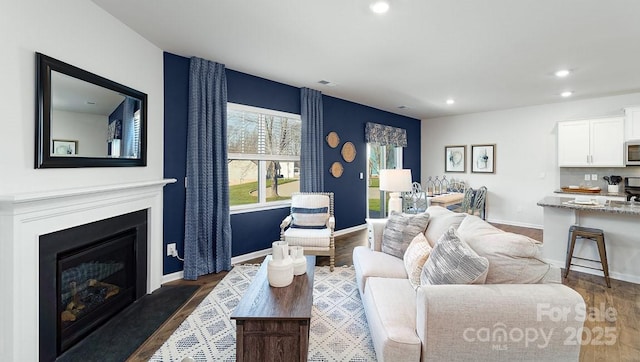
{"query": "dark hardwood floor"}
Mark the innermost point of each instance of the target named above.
(623, 297)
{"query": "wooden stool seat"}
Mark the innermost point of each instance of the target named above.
(596, 235)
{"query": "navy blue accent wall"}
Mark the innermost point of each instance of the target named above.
(253, 91)
(348, 119)
(176, 97)
(254, 231)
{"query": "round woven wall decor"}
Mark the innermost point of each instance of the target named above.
(348, 152)
(333, 140)
(336, 169)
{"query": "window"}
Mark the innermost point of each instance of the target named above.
(380, 157)
(264, 155)
(135, 141)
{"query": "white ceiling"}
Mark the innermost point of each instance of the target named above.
(486, 54)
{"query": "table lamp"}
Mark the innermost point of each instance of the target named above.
(395, 181)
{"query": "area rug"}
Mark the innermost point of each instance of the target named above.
(339, 330)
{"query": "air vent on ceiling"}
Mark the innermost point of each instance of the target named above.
(327, 83)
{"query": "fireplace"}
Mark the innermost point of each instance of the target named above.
(88, 274)
(27, 216)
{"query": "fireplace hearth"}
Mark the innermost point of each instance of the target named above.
(88, 274)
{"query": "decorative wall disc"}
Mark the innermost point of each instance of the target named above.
(336, 169)
(348, 152)
(333, 140)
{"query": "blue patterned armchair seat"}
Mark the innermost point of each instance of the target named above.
(311, 224)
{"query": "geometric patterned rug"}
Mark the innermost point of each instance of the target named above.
(338, 331)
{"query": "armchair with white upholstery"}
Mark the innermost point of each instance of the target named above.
(311, 224)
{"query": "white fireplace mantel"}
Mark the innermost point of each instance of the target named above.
(24, 217)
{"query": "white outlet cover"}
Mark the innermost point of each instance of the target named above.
(594, 177)
(587, 177)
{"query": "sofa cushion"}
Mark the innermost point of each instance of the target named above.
(454, 262)
(369, 263)
(440, 220)
(390, 307)
(415, 257)
(400, 230)
(513, 258)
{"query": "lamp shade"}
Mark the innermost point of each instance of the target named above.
(395, 180)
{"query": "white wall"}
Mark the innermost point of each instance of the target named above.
(82, 34)
(526, 162)
(90, 130)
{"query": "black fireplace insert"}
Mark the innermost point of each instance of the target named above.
(88, 274)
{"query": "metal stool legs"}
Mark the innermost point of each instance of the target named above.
(596, 235)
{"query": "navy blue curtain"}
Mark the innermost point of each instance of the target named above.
(311, 159)
(207, 240)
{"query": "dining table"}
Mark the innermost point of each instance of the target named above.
(446, 199)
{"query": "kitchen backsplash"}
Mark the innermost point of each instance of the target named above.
(575, 175)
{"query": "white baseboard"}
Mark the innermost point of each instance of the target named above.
(171, 277)
(613, 275)
(244, 257)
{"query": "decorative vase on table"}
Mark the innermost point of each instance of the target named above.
(280, 267)
(299, 260)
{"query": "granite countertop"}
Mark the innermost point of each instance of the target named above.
(614, 207)
(601, 193)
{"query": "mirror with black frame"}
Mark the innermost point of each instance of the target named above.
(85, 120)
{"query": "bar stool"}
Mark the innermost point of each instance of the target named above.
(596, 235)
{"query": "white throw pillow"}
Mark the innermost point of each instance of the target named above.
(453, 262)
(414, 258)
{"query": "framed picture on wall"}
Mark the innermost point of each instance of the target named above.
(64, 147)
(483, 158)
(455, 158)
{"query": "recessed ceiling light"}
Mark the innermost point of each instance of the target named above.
(450, 101)
(562, 73)
(379, 7)
(566, 94)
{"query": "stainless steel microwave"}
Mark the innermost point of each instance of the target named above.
(632, 153)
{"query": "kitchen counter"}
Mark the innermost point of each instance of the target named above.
(601, 193)
(614, 207)
(618, 219)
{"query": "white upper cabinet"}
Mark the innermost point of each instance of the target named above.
(632, 123)
(591, 142)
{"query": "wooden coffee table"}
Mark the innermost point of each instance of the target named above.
(272, 324)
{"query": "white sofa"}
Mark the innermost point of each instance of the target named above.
(506, 322)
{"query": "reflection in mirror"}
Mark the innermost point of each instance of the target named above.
(85, 120)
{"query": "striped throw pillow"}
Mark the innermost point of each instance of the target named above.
(452, 261)
(309, 217)
(400, 230)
